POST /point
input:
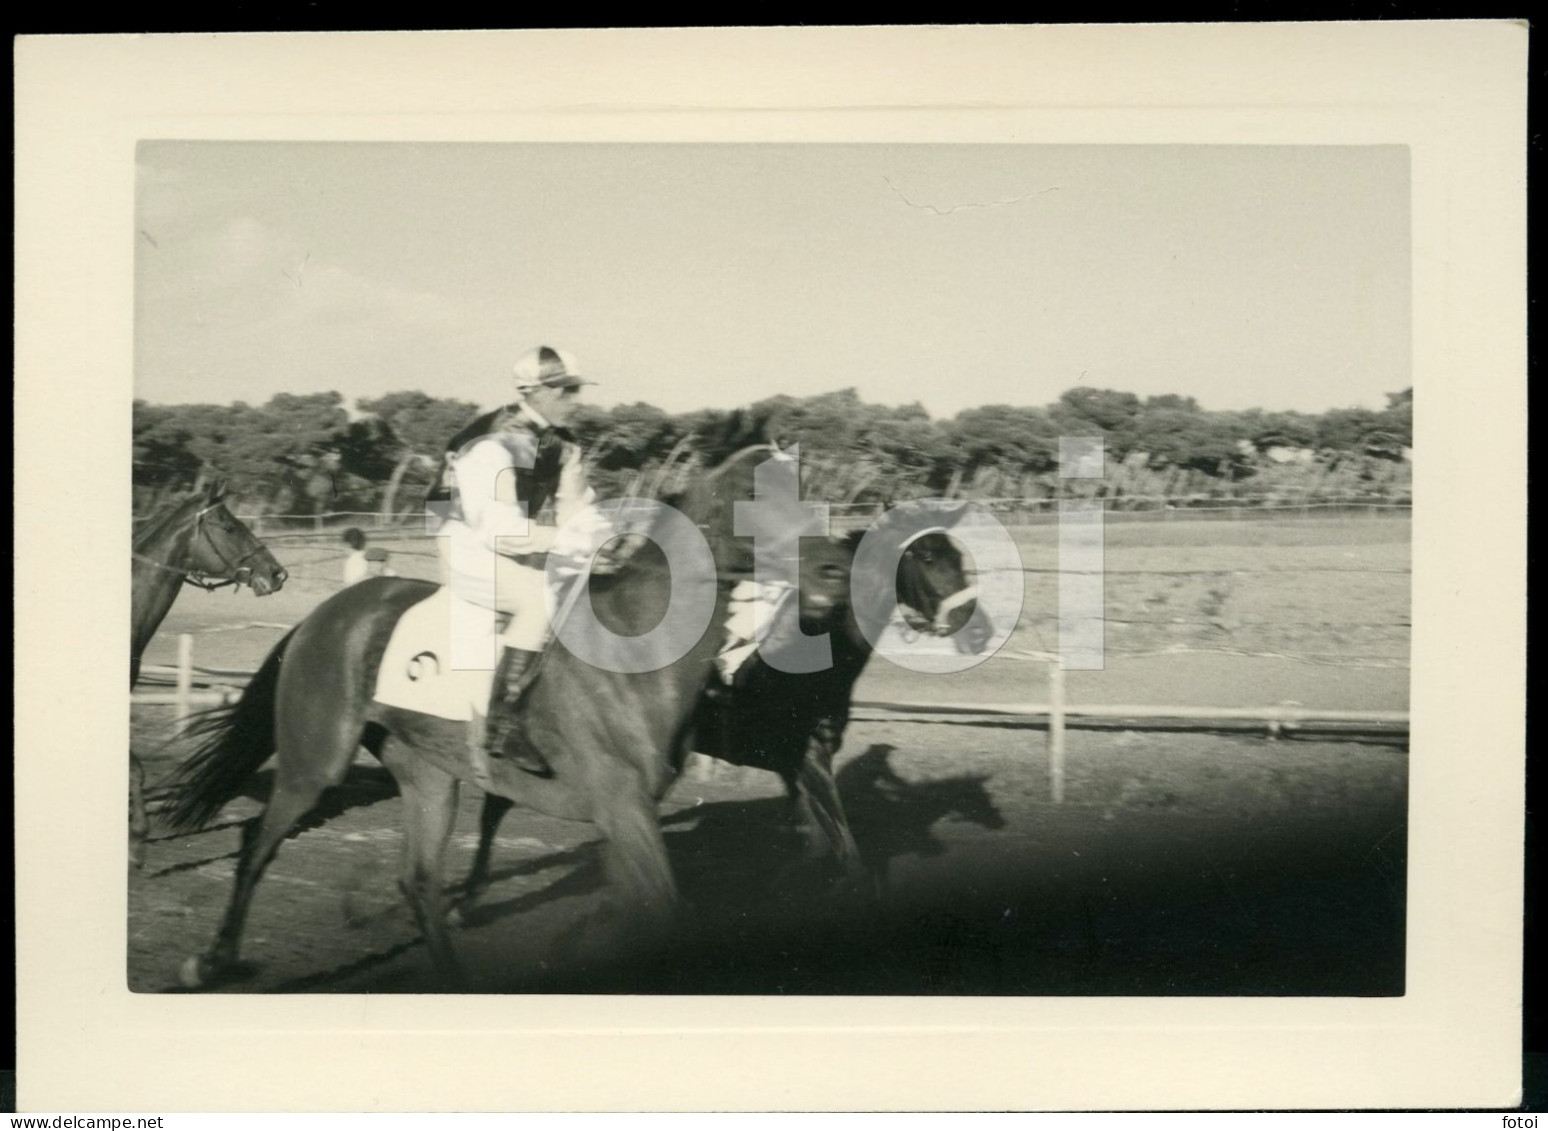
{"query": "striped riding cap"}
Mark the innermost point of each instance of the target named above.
(548, 368)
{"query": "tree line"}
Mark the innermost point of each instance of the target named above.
(308, 454)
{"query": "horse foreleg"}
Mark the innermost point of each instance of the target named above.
(814, 842)
(634, 860)
(430, 808)
(489, 818)
(139, 823)
(819, 809)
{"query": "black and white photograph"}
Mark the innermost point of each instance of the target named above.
(765, 570)
(1212, 803)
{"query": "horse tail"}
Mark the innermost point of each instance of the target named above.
(237, 740)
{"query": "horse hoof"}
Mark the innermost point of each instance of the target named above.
(455, 920)
(196, 972)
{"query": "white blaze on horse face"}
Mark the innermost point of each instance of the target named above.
(999, 591)
(777, 519)
(691, 598)
(1082, 627)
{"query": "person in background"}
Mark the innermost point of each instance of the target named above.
(356, 565)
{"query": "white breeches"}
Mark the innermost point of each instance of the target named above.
(494, 582)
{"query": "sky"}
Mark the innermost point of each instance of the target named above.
(714, 275)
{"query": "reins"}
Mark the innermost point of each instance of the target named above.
(197, 577)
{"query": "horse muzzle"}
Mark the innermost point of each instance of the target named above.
(960, 617)
(263, 583)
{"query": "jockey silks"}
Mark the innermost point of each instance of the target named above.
(493, 551)
(536, 452)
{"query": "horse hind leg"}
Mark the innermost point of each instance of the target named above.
(489, 817)
(310, 759)
(290, 802)
(429, 811)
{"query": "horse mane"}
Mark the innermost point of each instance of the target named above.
(160, 524)
(712, 506)
(711, 511)
(719, 442)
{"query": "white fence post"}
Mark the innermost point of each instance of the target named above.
(184, 675)
(1056, 731)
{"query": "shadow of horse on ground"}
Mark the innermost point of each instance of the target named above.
(750, 892)
(738, 852)
(892, 816)
(763, 918)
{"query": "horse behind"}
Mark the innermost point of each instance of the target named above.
(194, 542)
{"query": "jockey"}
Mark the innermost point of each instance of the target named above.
(503, 468)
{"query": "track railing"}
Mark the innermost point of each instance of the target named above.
(198, 687)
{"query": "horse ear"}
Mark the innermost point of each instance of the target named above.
(214, 491)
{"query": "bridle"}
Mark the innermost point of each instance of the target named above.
(238, 573)
(917, 619)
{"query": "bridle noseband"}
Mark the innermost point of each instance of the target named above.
(238, 572)
(917, 619)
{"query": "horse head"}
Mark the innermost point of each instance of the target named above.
(824, 580)
(935, 592)
(776, 537)
(204, 540)
(224, 547)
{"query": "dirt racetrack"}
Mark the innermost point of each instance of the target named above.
(1179, 863)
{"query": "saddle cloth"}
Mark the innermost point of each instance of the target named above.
(416, 672)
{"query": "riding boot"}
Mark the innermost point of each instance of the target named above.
(503, 725)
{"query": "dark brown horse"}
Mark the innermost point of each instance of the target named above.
(793, 723)
(195, 542)
(615, 739)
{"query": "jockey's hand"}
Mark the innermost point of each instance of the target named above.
(616, 554)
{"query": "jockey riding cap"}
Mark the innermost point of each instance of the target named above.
(548, 368)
